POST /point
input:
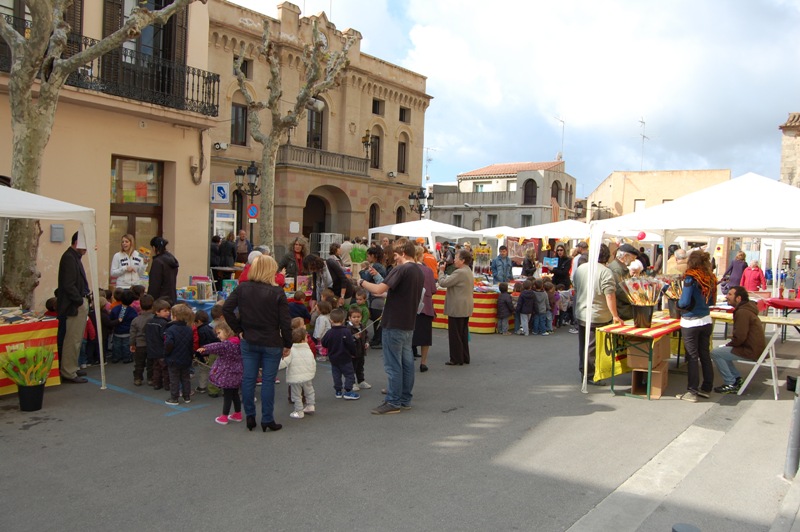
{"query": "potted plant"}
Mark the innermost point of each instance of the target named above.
(28, 368)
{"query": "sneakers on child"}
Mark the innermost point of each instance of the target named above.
(297, 414)
(171, 402)
(187, 400)
(222, 420)
(338, 394)
(574, 330)
(351, 396)
(236, 417)
(201, 390)
(545, 333)
(364, 385)
(309, 409)
(356, 388)
(277, 381)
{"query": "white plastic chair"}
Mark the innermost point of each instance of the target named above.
(769, 351)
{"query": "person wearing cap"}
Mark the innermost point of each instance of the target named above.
(623, 258)
(581, 256)
(73, 309)
(501, 267)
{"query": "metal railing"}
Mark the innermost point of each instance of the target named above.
(289, 155)
(130, 74)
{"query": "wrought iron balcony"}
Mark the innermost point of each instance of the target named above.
(290, 155)
(130, 74)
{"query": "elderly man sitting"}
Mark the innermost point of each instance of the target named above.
(747, 342)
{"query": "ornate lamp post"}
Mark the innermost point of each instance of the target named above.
(365, 140)
(420, 202)
(251, 187)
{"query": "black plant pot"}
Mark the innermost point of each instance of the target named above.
(30, 397)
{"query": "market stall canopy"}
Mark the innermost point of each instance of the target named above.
(429, 229)
(572, 229)
(505, 230)
(748, 206)
(19, 204)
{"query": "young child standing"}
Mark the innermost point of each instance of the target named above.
(541, 306)
(363, 304)
(341, 348)
(178, 353)
(205, 335)
(138, 341)
(362, 343)
(121, 318)
(300, 370)
(321, 327)
(525, 307)
(552, 297)
(298, 308)
(154, 338)
(505, 309)
(226, 372)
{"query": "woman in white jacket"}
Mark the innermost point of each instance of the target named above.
(127, 265)
(300, 370)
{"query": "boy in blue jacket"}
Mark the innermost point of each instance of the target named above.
(341, 348)
(121, 318)
(179, 352)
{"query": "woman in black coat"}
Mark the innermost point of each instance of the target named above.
(561, 272)
(163, 272)
(227, 251)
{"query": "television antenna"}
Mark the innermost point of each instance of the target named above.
(561, 153)
(644, 138)
(428, 160)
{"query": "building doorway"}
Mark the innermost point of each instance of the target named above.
(135, 205)
(314, 216)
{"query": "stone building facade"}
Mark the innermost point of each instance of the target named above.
(326, 182)
(512, 194)
(790, 150)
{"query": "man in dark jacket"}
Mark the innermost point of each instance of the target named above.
(73, 308)
(747, 342)
(619, 266)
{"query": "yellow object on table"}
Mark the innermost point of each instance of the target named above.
(44, 331)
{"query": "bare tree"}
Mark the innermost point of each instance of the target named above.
(319, 78)
(38, 71)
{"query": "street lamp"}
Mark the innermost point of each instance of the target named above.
(251, 187)
(365, 140)
(420, 202)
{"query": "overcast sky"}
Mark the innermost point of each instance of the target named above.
(711, 79)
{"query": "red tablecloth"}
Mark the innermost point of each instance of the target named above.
(784, 304)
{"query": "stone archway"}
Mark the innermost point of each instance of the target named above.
(327, 210)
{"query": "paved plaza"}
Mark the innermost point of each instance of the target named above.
(506, 443)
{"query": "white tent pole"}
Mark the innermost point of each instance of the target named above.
(90, 236)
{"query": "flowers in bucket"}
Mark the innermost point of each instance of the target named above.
(642, 291)
(673, 286)
(28, 365)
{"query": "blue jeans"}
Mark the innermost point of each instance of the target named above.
(268, 359)
(724, 358)
(539, 323)
(121, 348)
(525, 321)
(502, 325)
(398, 361)
(549, 327)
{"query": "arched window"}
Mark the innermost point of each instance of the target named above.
(314, 135)
(555, 191)
(401, 215)
(374, 215)
(402, 154)
(529, 192)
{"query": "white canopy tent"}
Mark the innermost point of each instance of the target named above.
(18, 204)
(572, 229)
(751, 206)
(428, 229)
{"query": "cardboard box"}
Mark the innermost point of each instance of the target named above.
(661, 352)
(658, 383)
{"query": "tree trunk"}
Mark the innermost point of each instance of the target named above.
(266, 229)
(32, 123)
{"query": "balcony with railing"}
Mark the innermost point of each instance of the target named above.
(290, 155)
(130, 74)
